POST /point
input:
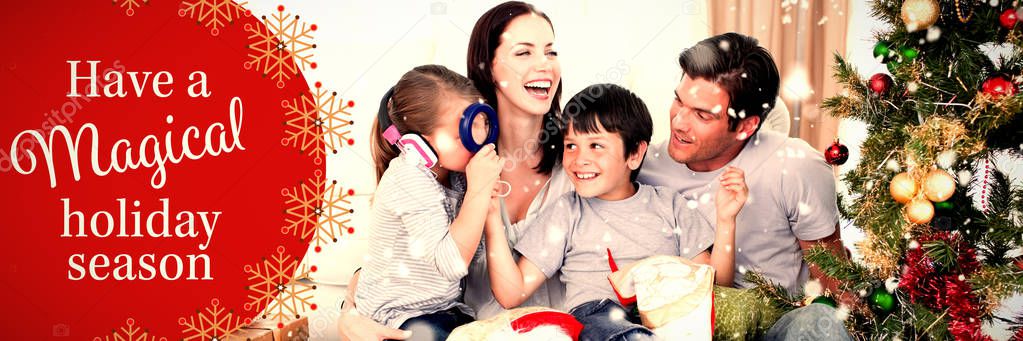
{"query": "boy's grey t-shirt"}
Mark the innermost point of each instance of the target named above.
(791, 198)
(579, 231)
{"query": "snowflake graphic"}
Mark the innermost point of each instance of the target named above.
(317, 212)
(318, 121)
(129, 332)
(277, 290)
(216, 323)
(276, 46)
(213, 13)
(130, 5)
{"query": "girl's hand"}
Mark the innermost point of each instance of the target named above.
(732, 193)
(482, 172)
(495, 202)
(493, 220)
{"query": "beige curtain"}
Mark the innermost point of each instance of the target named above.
(803, 36)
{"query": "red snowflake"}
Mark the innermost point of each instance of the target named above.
(316, 122)
(130, 5)
(277, 290)
(213, 13)
(318, 212)
(215, 323)
(129, 332)
(281, 46)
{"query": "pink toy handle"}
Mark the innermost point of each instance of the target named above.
(391, 134)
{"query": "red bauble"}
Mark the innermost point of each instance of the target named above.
(880, 83)
(836, 154)
(1008, 19)
(998, 86)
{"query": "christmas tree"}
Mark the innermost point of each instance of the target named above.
(942, 224)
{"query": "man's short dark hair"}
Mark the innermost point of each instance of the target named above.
(617, 109)
(741, 67)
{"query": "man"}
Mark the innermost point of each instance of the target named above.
(728, 87)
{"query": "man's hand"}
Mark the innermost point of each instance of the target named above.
(834, 244)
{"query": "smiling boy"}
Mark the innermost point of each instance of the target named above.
(605, 142)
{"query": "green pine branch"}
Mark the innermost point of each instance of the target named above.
(926, 322)
(941, 253)
(888, 11)
(1000, 121)
(996, 283)
(777, 294)
(843, 208)
(999, 230)
(849, 273)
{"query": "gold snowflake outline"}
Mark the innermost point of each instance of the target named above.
(317, 212)
(213, 13)
(281, 46)
(277, 290)
(317, 122)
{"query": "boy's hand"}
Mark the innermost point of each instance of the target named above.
(483, 170)
(732, 193)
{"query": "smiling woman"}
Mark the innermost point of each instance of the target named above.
(150, 152)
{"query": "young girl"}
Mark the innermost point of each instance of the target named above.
(510, 45)
(422, 239)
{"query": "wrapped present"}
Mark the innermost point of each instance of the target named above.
(293, 330)
(526, 324)
(246, 334)
(674, 296)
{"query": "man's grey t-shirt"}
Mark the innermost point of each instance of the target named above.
(791, 198)
(577, 232)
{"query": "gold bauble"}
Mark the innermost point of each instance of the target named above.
(920, 14)
(919, 211)
(939, 185)
(903, 188)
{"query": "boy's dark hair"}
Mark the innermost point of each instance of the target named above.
(617, 109)
(741, 67)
